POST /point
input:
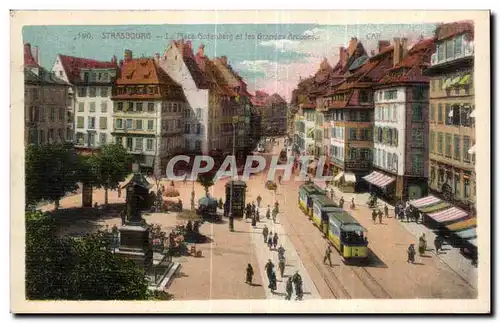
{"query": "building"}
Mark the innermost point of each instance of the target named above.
(452, 128)
(179, 62)
(400, 152)
(349, 107)
(148, 109)
(92, 82)
(273, 112)
(46, 100)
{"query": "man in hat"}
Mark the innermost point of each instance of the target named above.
(259, 199)
(374, 216)
(386, 210)
(341, 202)
(269, 268)
(328, 253)
(380, 216)
(289, 289)
(249, 276)
(265, 232)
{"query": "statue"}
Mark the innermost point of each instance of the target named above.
(133, 212)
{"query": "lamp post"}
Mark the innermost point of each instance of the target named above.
(192, 196)
(231, 218)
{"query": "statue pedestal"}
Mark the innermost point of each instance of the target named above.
(136, 245)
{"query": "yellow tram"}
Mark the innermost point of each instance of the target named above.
(347, 235)
(306, 193)
(321, 206)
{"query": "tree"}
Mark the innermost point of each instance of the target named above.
(51, 171)
(206, 180)
(67, 269)
(111, 165)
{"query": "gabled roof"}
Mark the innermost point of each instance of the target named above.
(72, 66)
(189, 59)
(29, 60)
(274, 99)
(143, 71)
(448, 30)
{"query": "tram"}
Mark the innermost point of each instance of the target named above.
(347, 235)
(306, 193)
(321, 206)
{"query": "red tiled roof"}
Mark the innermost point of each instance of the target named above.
(448, 30)
(29, 60)
(275, 99)
(143, 71)
(72, 66)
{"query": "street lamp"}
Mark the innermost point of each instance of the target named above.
(231, 218)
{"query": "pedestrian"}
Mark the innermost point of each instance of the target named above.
(281, 252)
(386, 210)
(411, 254)
(341, 202)
(259, 199)
(254, 221)
(269, 268)
(289, 289)
(221, 204)
(279, 179)
(265, 232)
(328, 253)
(281, 266)
(275, 240)
(272, 282)
(380, 216)
(277, 206)
(353, 206)
(437, 244)
(119, 192)
(374, 216)
(275, 213)
(249, 274)
(257, 216)
(270, 241)
(396, 211)
(297, 281)
(253, 207)
(422, 245)
(268, 213)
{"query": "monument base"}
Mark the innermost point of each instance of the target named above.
(135, 244)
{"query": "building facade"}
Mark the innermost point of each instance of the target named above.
(273, 111)
(452, 127)
(46, 100)
(148, 113)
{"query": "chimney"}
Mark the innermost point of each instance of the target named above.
(342, 56)
(157, 57)
(127, 55)
(397, 51)
(113, 59)
(201, 51)
(404, 47)
(383, 44)
(36, 55)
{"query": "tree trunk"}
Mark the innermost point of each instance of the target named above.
(106, 196)
(56, 204)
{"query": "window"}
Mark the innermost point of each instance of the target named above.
(458, 45)
(150, 124)
(129, 143)
(151, 107)
(52, 114)
(169, 106)
(82, 92)
(466, 143)
(416, 112)
(418, 93)
(130, 106)
(61, 114)
(465, 119)
(440, 113)
(389, 161)
(128, 124)
(440, 52)
(456, 141)
(138, 107)
(384, 158)
(91, 123)
(92, 139)
(104, 91)
(79, 122)
(104, 107)
(103, 123)
(187, 144)
(387, 113)
(92, 92)
(119, 124)
(138, 124)
(197, 145)
(391, 95)
(119, 140)
(102, 139)
(92, 107)
(466, 188)
(60, 135)
(416, 136)
(450, 51)
(187, 128)
(380, 135)
(431, 113)
(179, 125)
(119, 106)
(440, 143)
(375, 156)
(395, 162)
(432, 139)
(456, 188)
(394, 113)
(417, 162)
(395, 139)
(149, 144)
(352, 133)
(138, 144)
(433, 85)
(447, 151)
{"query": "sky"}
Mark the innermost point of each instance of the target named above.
(270, 57)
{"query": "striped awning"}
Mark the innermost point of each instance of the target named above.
(338, 176)
(462, 225)
(451, 214)
(379, 179)
(467, 234)
(425, 201)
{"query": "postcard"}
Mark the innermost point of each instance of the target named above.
(250, 162)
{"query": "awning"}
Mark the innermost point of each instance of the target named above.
(446, 84)
(425, 201)
(338, 176)
(350, 177)
(465, 79)
(462, 225)
(467, 234)
(435, 207)
(451, 214)
(379, 179)
(472, 150)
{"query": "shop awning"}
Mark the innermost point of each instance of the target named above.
(472, 150)
(338, 176)
(425, 201)
(446, 83)
(379, 179)
(350, 177)
(435, 207)
(450, 214)
(465, 79)
(462, 225)
(467, 234)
